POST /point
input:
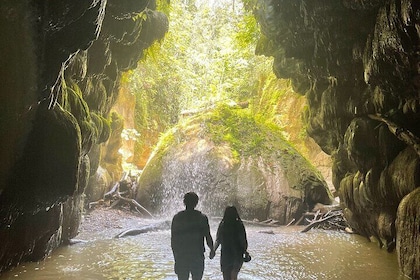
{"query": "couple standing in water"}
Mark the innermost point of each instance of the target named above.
(189, 229)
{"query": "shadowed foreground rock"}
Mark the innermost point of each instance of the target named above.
(60, 66)
(408, 225)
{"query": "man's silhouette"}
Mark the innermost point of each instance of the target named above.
(188, 230)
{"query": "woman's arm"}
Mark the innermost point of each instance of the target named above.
(216, 244)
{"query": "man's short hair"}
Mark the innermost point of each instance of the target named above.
(190, 200)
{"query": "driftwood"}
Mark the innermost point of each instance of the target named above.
(266, 223)
(318, 210)
(149, 228)
(118, 197)
(322, 219)
(303, 218)
(134, 203)
(331, 220)
(74, 241)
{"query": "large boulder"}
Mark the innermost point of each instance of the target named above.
(228, 157)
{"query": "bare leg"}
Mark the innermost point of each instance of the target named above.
(226, 275)
(234, 274)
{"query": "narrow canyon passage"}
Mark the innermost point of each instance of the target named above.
(271, 105)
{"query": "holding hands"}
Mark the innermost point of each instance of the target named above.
(212, 254)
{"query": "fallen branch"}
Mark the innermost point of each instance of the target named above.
(304, 217)
(266, 223)
(319, 221)
(149, 228)
(119, 197)
(94, 203)
(291, 222)
(133, 202)
(113, 190)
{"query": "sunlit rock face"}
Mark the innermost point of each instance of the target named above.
(357, 62)
(272, 181)
(60, 62)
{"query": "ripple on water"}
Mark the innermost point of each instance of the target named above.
(287, 254)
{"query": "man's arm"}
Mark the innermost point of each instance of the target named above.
(207, 235)
(216, 244)
(174, 241)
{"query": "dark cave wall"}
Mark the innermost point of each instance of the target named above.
(60, 64)
(357, 62)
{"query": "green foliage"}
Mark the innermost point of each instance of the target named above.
(248, 32)
(246, 133)
(164, 6)
(207, 57)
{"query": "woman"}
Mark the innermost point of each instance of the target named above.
(231, 236)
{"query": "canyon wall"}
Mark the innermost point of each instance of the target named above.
(357, 62)
(60, 63)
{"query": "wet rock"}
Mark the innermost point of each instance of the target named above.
(59, 76)
(273, 181)
(408, 235)
(355, 60)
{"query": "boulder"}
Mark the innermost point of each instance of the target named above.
(229, 157)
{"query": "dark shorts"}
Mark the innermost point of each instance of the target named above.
(186, 265)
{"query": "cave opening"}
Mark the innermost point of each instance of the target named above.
(282, 108)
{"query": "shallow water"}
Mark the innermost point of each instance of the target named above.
(285, 253)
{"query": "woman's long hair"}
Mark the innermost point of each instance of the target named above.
(231, 215)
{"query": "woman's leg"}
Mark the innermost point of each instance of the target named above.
(234, 274)
(231, 274)
(227, 274)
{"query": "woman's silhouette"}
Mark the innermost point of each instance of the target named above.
(231, 236)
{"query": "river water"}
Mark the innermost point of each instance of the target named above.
(277, 253)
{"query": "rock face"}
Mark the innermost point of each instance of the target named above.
(357, 62)
(60, 64)
(270, 182)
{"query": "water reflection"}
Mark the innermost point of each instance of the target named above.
(285, 254)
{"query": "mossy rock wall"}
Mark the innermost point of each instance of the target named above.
(60, 65)
(357, 64)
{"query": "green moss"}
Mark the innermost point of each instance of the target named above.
(245, 133)
(106, 130)
(165, 140)
(98, 123)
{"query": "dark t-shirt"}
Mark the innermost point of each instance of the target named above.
(188, 230)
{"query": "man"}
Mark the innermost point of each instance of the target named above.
(188, 230)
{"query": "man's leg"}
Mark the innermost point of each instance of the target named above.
(182, 270)
(183, 275)
(197, 268)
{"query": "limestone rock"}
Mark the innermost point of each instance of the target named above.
(273, 181)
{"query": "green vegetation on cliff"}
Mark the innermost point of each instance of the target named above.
(207, 57)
